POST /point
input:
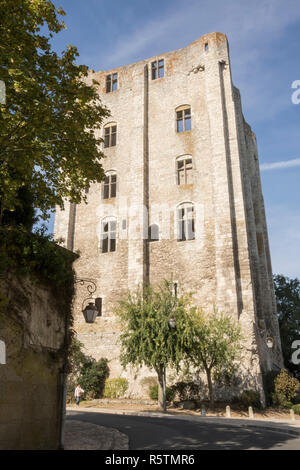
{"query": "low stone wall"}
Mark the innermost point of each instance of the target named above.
(33, 328)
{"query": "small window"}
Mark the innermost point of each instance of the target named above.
(184, 170)
(186, 222)
(124, 224)
(98, 303)
(183, 119)
(206, 47)
(153, 233)
(108, 235)
(110, 135)
(110, 186)
(111, 82)
(157, 69)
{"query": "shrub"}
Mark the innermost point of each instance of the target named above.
(153, 393)
(186, 390)
(296, 408)
(285, 389)
(249, 398)
(92, 378)
(115, 388)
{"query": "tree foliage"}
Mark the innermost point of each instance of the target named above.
(288, 307)
(49, 142)
(147, 338)
(217, 347)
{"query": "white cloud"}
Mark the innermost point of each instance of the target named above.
(280, 165)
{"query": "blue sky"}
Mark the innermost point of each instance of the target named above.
(264, 39)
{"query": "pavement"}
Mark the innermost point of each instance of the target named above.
(87, 436)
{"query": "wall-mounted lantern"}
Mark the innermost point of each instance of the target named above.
(90, 312)
(270, 342)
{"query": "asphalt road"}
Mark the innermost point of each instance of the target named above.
(163, 433)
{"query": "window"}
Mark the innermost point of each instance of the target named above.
(186, 222)
(108, 235)
(184, 168)
(111, 82)
(157, 69)
(110, 186)
(110, 135)
(183, 119)
(98, 303)
(206, 46)
(153, 233)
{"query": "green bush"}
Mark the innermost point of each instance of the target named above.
(249, 398)
(153, 393)
(92, 378)
(115, 388)
(285, 389)
(296, 408)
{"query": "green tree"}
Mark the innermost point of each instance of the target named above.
(217, 347)
(49, 139)
(147, 337)
(287, 293)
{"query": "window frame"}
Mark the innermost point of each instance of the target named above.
(111, 82)
(108, 243)
(110, 185)
(184, 159)
(183, 221)
(183, 118)
(156, 69)
(110, 135)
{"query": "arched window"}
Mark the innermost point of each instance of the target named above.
(184, 170)
(183, 118)
(108, 234)
(153, 233)
(110, 135)
(110, 185)
(185, 222)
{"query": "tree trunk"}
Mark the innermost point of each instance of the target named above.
(161, 388)
(210, 389)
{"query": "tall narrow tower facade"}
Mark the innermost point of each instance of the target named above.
(182, 199)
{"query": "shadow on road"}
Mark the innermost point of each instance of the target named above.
(164, 433)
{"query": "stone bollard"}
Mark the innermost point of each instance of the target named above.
(228, 414)
(250, 411)
(292, 413)
(203, 411)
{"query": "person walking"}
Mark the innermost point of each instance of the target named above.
(78, 394)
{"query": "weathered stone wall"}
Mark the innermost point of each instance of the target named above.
(33, 327)
(228, 264)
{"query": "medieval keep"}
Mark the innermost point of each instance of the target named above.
(182, 200)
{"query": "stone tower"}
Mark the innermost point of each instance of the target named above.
(182, 199)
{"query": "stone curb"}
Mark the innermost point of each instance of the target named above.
(80, 435)
(286, 427)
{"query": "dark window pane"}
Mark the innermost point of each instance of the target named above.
(113, 178)
(113, 191)
(105, 228)
(105, 245)
(112, 244)
(154, 70)
(160, 68)
(106, 191)
(108, 83)
(189, 163)
(113, 139)
(154, 232)
(180, 164)
(181, 177)
(191, 229)
(187, 112)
